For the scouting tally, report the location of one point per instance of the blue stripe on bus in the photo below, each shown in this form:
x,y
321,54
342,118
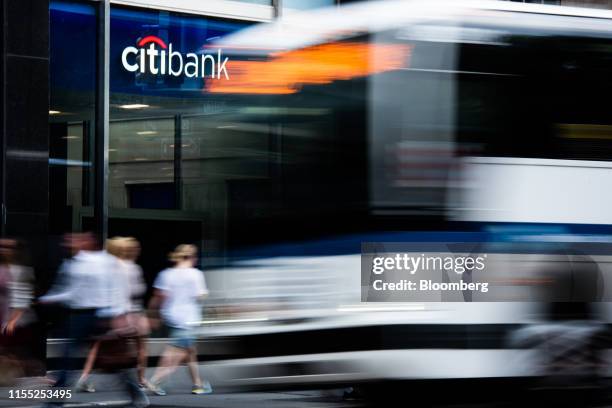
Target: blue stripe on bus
x,y
498,237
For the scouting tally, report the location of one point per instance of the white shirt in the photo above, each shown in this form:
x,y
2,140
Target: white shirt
x,y
22,292
135,286
21,286
90,280
183,288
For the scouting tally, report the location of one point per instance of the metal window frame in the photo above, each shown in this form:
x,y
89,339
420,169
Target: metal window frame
x,y
101,154
178,157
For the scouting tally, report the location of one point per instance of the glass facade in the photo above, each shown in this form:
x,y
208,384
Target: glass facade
x,y
171,142
176,151
269,164
174,148
237,170
72,108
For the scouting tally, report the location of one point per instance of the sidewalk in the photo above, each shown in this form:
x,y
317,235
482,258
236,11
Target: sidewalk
x,y
110,393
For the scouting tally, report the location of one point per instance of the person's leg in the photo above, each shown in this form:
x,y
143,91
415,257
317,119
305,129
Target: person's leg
x,y
79,329
89,363
80,326
139,399
194,370
61,378
141,359
170,359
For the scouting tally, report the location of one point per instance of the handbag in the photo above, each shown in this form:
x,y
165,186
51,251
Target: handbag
x,y
117,348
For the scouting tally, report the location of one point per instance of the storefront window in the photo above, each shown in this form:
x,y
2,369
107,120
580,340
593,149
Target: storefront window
x,y
141,160
172,144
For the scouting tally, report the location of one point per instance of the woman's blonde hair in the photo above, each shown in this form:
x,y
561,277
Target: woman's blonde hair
x,y
183,252
122,247
114,246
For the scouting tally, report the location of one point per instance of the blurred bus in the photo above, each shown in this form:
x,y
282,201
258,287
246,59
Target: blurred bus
x,y
410,121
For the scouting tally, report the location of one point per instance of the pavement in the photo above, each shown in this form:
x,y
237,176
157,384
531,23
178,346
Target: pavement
x,y
110,392
306,399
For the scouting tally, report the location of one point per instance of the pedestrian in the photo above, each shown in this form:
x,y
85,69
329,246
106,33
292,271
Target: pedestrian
x,y
90,286
178,294
131,292
18,331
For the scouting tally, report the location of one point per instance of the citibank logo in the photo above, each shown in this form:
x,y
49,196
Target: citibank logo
x,y
156,57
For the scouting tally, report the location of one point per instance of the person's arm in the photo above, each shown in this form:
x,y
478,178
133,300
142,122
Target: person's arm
x,y
153,308
156,300
138,287
16,314
60,292
58,297
22,291
201,288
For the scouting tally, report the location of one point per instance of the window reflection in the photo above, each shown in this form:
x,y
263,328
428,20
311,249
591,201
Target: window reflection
x,y
170,150
141,163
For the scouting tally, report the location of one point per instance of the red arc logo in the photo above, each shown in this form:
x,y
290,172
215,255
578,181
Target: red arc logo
x,y
152,39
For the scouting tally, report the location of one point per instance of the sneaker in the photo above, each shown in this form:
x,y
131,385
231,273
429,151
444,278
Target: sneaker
x,y
156,389
197,390
141,401
144,385
206,388
85,386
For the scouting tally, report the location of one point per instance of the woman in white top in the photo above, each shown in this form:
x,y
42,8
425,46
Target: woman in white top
x,y
130,288
179,292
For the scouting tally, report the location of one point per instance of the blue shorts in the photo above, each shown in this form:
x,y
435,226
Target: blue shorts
x,y
182,338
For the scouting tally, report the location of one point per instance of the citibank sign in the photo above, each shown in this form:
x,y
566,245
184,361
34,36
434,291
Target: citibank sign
x,y
158,58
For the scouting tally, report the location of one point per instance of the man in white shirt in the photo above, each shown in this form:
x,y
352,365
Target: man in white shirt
x,y
89,286
86,288
179,292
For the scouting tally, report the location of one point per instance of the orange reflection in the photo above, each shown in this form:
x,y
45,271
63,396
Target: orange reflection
x,y
287,72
